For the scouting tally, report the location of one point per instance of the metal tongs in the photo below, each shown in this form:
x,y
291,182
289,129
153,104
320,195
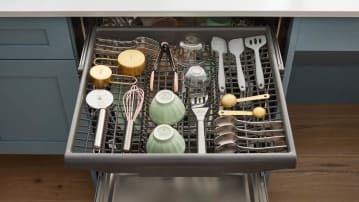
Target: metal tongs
x,y
165,49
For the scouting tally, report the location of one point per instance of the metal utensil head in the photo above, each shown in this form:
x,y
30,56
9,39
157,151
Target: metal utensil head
x,y
224,120
255,42
218,131
225,138
227,148
99,99
236,47
199,101
219,45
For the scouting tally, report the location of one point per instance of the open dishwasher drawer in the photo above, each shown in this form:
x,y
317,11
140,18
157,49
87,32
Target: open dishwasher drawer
x,y
262,147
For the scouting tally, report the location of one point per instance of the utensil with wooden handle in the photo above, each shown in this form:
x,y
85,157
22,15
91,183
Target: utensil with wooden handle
x,y
230,100
258,112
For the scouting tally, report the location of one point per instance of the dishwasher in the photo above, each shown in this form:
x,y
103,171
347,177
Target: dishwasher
x,y
238,172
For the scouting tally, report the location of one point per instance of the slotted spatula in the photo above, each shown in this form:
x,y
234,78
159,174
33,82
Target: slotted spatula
x,y
236,47
255,43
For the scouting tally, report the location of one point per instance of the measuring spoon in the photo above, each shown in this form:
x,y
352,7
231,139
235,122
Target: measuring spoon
x,y
230,100
258,112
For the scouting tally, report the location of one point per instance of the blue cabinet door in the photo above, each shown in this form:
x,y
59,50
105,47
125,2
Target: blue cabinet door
x,y
35,38
37,98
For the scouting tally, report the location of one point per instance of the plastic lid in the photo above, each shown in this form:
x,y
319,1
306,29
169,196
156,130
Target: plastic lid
x,y
163,132
165,96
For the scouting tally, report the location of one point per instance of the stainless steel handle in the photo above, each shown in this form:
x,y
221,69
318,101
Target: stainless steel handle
x,y
128,136
221,76
259,70
201,138
99,130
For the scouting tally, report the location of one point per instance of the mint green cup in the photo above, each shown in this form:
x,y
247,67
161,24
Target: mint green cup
x,y
165,139
166,108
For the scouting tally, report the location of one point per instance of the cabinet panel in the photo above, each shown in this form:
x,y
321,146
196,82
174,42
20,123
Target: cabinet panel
x,y
324,84
35,38
37,100
327,34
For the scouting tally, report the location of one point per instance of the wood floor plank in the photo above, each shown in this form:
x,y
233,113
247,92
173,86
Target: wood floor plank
x,y
326,138
313,187
325,129
42,178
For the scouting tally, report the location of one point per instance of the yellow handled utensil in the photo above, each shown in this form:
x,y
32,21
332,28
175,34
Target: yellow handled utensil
x,y
258,112
230,100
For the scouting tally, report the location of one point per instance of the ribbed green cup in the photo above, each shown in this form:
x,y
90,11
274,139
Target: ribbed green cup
x,y
166,108
165,139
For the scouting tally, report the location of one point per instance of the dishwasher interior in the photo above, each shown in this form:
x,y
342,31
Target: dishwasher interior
x,y
233,172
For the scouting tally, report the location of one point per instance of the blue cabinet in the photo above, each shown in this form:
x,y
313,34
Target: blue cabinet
x,y
322,61
38,86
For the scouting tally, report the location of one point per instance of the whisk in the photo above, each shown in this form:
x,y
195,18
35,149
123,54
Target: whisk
x,y
132,102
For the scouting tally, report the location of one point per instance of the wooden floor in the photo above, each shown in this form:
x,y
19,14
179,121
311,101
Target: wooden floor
x,y
326,138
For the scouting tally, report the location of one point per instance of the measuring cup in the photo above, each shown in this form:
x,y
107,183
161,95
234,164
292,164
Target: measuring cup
x,y
131,62
99,99
101,77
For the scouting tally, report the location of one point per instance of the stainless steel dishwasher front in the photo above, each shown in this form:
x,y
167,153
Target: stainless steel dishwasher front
x,y
212,174
229,188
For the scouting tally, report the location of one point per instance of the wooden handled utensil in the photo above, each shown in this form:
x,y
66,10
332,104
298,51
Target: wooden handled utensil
x,y
258,112
230,100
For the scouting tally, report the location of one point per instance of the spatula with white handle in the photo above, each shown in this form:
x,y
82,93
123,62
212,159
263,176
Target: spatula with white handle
x,y
236,47
255,43
220,46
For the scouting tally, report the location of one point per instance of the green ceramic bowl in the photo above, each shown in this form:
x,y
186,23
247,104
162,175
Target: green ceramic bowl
x,y
165,139
166,108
